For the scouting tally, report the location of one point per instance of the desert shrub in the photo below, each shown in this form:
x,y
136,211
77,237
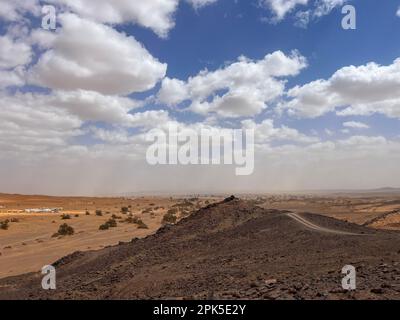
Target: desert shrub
x,y
172,211
109,224
4,224
65,217
64,230
14,220
147,210
104,226
124,210
142,225
77,216
112,223
99,213
87,213
185,213
114,216
137,221
131,219
169,217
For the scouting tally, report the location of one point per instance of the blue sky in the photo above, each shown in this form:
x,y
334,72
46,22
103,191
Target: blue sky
x,y
214,35
211,36
80,97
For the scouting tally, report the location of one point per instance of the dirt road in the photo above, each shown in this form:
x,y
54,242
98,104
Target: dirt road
x,y
315,227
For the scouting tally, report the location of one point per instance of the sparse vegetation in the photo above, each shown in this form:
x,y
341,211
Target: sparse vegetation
x,y
185,213
99,213
137,221
65,217
14,220
104,226
170,216
109,224
4,224
124,210
87,213
142,225
64,230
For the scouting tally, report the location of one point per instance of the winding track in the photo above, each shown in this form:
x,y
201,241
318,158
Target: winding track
x,y
314,227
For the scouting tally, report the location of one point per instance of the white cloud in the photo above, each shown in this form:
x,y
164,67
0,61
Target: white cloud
x,y
319,8
361,90
95,57
398,12
29,126
324,7
13,10
13,53
266,132
303,18
244,88
355,125
200,3
154,14
92,106
282,7
157,15
11,78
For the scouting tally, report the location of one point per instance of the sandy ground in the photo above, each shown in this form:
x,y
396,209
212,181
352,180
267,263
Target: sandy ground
x,y
359,209
28,244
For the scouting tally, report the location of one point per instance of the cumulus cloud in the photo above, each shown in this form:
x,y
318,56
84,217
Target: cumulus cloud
x,y
324,7
266,132
91,56
13,53
92,106
362,90
243,88
281,7
157,15
154,14
355,125
29,126
11,78
319,8
14,10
